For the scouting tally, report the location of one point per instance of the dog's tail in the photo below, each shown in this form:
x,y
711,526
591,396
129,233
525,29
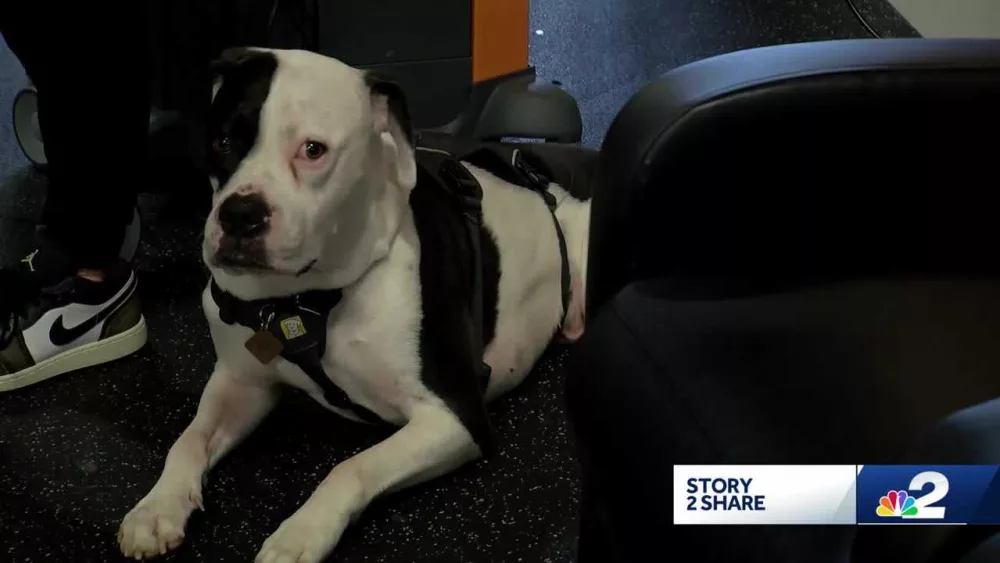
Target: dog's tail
x,y
574,218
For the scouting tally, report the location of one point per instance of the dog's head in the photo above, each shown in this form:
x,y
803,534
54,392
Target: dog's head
x,y
304,152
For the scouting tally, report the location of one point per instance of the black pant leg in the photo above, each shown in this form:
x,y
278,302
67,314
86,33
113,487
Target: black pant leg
x,y
92,76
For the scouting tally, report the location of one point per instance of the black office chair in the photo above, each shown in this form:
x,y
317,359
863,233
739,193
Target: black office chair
x,y
793,261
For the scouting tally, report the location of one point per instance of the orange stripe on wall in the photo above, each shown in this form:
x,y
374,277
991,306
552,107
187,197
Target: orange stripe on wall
x,y
499,38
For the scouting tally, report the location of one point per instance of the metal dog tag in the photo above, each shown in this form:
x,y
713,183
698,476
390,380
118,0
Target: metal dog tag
x,y
264,346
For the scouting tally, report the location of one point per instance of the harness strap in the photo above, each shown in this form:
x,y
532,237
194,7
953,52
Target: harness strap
x,y
519,171
308,312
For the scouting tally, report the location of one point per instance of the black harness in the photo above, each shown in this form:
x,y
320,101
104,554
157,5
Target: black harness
x,y
294,327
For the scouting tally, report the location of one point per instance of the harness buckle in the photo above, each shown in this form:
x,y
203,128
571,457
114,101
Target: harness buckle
x,y
266,315
537,179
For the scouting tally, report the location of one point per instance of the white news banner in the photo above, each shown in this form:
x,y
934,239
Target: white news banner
x,y
765,494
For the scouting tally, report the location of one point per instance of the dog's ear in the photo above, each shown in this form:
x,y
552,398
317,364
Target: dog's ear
x,y
389,105
391,115
227,61
230,59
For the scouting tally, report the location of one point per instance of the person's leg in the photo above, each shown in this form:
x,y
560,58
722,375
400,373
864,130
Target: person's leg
x,y
73,303
93,87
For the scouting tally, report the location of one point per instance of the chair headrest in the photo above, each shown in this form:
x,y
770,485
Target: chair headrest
x,y
835,159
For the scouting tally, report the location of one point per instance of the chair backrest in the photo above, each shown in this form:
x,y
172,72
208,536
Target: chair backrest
x,y
819,160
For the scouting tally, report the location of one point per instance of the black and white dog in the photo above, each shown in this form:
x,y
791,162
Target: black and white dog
x,y
318,214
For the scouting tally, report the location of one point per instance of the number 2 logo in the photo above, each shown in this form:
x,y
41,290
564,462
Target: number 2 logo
x,y
925,504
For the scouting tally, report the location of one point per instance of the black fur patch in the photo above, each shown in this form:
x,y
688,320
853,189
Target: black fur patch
x,y
234,119
447,350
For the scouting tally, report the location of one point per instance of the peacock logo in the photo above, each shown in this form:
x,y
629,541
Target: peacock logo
x,y
896,503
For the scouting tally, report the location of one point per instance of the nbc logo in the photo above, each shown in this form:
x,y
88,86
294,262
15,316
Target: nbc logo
x,y
897,503
900,504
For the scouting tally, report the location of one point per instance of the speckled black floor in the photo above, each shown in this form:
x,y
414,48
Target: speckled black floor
x,y
78,451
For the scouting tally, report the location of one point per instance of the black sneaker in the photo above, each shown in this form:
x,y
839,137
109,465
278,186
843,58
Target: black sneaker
x,y
49,330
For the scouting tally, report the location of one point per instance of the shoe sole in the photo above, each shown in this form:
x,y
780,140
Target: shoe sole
x,y
100,352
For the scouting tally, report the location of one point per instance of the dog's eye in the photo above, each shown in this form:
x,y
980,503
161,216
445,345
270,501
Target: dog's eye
x,y
314,150
221,145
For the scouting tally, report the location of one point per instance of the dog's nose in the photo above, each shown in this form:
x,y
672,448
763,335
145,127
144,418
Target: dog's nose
x,y
243,216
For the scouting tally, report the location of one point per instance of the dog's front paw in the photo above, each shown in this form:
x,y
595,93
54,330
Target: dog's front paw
x,y
156,525
306,537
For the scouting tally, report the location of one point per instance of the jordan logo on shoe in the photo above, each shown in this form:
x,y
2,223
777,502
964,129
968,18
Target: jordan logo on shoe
x,y
61,336
30,260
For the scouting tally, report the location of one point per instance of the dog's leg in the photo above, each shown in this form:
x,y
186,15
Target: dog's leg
x,y
230,407
431,444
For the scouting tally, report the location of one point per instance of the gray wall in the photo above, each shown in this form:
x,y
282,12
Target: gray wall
x,y
952,18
